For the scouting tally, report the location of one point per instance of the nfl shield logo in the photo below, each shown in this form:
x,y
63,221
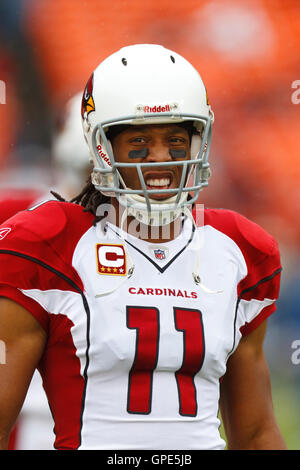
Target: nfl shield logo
x,y
160,254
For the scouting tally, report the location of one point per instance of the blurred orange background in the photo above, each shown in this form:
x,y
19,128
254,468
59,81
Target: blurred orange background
x,y
246,52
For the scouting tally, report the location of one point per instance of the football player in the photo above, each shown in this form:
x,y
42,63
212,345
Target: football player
x,y
143,312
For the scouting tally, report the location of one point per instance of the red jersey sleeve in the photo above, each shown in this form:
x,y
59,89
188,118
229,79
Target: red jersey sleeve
x,y
36,248
259,289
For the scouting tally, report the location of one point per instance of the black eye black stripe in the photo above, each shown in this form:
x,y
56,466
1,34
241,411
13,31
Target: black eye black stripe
x,y
143,153
138,153
177,153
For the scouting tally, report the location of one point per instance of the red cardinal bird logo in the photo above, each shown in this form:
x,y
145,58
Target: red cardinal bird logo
x,y
88,105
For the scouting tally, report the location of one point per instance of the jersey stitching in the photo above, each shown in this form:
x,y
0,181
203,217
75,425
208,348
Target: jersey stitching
x,y
265,279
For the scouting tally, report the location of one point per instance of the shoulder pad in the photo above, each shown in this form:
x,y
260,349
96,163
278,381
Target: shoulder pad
x,y
51,226
259,249
252,239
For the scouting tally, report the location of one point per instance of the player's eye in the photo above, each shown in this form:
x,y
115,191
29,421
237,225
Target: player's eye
x,y
138,140
177,140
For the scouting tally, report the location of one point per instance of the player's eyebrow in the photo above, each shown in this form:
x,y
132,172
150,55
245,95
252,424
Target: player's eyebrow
x,y
175,130
170,130
135,129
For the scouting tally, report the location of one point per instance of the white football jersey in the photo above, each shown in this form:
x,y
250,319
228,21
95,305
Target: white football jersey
x,y
135,362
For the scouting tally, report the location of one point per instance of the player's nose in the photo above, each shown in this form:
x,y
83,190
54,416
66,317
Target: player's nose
x,y
158,152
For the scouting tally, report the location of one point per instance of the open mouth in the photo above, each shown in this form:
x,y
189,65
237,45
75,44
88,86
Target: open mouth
x,y
159,181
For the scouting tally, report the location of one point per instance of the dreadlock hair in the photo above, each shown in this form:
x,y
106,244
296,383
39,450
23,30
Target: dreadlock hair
x,y
89,198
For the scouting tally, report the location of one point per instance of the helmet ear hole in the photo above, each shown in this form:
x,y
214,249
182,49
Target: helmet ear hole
x,y
195,145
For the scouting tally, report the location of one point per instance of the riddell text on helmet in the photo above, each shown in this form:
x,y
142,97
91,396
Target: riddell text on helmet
x,y
103,154
157,109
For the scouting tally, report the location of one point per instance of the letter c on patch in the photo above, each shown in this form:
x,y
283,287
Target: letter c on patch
x,y
112,256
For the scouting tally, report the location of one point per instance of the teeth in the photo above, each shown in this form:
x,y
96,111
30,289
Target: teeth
x,y
158,182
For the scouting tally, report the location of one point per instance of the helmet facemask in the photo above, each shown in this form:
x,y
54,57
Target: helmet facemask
x,y
107,177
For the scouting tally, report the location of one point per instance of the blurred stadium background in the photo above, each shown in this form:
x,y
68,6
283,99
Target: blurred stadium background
x,y
247,52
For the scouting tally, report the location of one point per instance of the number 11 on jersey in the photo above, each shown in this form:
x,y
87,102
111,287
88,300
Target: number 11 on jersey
x,y
145,320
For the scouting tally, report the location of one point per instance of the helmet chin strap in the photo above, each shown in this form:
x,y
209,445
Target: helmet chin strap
x,y
161,215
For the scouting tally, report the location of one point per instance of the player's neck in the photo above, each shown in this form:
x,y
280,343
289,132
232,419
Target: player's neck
x,y
152,234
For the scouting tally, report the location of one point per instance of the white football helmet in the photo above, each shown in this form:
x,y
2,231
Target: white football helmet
x,y
147,84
